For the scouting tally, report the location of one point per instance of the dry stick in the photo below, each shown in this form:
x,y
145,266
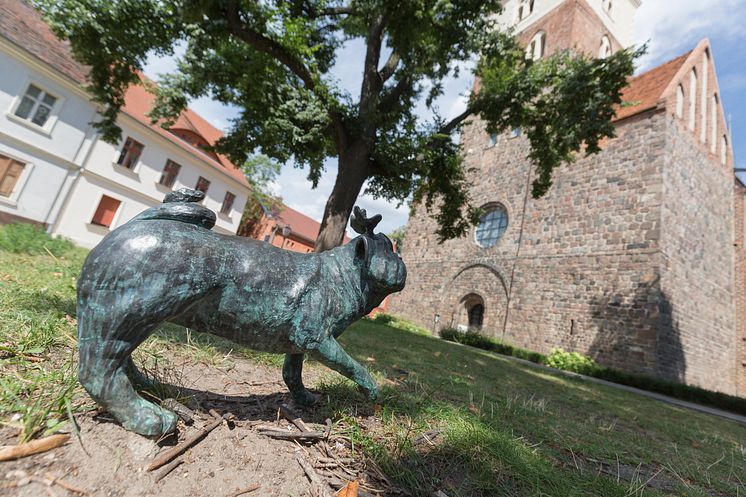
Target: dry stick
x,y
294,418
291,435
165,471
34,447
316,480
328,430
170,454
53,480
246,490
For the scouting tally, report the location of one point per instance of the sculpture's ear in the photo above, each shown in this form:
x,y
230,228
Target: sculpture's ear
x,y
361,249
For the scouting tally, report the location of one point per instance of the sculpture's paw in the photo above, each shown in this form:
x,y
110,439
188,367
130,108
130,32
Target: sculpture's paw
x,y
304,397
151,421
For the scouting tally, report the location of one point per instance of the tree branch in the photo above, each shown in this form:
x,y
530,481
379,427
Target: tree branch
x,y
338,11
455,122
371,85
388,69
270,47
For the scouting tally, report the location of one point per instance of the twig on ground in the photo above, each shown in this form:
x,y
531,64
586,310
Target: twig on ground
x,y
166,470
292,435
316,481
34,447
328,430
246,490
53,480
293,417
170,454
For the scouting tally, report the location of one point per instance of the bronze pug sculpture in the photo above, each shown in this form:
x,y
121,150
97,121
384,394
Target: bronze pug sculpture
x,y
166,265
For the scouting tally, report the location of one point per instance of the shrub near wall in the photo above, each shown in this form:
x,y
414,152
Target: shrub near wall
x,y
578,363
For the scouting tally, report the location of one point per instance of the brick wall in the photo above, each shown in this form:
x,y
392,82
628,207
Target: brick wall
x,y
739,231
697,274
585,273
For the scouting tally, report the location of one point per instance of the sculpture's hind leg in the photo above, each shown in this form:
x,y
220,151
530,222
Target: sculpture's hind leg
x,y
105,344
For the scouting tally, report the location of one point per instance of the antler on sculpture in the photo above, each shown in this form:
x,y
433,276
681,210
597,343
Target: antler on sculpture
x,y
362,224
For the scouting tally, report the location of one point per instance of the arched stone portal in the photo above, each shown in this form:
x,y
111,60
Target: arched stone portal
x,y
475,299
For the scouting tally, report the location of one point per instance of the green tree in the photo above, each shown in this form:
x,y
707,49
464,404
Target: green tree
x,y
397,236
273,60
260,171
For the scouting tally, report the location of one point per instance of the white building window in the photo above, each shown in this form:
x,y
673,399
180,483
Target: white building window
x,y
130,154
692,99
492,141
525,9
36,105
515,132
680,101
714,123
608,6
605,49
227,203
535,49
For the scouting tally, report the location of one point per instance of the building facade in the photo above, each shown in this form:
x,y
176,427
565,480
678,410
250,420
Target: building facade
x,y
55,170
630,257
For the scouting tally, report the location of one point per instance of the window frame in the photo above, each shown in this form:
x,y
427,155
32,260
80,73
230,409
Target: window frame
x,y
488,209
207,188
12,199
605,50
114,218
227,212
541,37
163,174
52,118
122,155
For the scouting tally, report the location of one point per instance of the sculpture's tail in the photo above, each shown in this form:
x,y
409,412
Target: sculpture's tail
x,y
181,205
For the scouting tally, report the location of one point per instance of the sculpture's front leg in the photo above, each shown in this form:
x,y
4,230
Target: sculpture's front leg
x,y
292,373
330,353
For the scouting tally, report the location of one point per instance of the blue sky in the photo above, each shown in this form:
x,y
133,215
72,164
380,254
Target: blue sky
x,y
671,28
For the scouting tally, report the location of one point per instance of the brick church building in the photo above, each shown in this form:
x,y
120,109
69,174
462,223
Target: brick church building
x,y
635,255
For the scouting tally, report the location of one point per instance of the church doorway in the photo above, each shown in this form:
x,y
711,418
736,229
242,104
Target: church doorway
x,y
472,311
476,316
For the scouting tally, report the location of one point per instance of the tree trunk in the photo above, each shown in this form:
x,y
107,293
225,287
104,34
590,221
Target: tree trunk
x,y
352,173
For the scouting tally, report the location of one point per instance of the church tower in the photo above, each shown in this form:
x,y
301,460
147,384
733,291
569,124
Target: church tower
x,y
595,27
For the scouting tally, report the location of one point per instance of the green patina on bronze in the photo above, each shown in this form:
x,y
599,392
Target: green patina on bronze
x,y
166,265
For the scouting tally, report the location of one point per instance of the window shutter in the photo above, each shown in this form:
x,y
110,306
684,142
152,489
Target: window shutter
x,y
10,171
105,212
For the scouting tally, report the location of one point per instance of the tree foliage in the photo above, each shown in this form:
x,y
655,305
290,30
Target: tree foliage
x,y
273,60
261,171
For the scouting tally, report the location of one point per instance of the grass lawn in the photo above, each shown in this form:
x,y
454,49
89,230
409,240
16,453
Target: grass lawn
x,y
498,427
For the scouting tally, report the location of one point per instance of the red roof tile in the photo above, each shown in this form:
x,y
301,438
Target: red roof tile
x,y
302,225
644,91
23,26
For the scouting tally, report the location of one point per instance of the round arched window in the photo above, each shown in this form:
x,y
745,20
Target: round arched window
x,y
491,226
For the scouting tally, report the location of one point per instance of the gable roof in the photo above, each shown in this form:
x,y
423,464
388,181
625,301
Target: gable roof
x,y
138,102
645,91
24,27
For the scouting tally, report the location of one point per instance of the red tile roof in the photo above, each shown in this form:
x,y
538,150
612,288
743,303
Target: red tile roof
x,y
301,225
644,91
23,26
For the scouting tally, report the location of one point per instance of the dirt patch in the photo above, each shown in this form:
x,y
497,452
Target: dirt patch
x,y
111,461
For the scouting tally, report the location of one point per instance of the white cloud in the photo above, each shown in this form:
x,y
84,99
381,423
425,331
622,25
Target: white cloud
x,y
673,27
